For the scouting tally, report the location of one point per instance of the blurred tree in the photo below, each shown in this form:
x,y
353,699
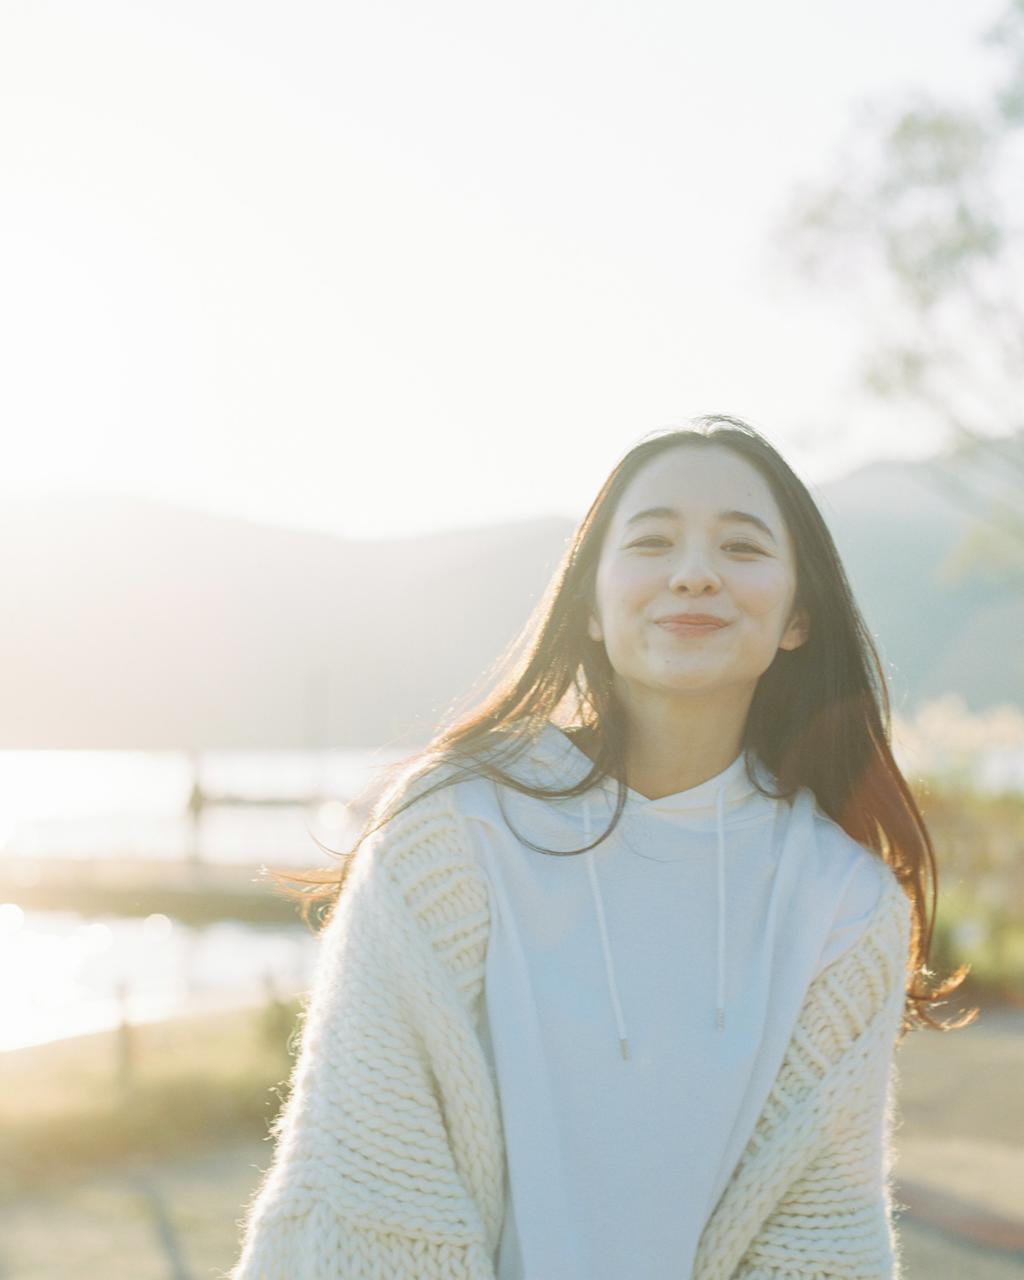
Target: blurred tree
x,y
921,222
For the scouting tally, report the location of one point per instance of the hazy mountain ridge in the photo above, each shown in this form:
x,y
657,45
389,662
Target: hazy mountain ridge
x,y
133,623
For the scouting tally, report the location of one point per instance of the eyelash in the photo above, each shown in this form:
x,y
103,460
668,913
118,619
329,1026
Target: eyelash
x,y
653,538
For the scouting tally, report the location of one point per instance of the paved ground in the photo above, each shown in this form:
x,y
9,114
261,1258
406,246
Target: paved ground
x,y
960,1174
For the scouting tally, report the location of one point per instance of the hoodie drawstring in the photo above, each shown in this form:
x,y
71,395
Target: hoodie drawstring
x,y
609,966
599,906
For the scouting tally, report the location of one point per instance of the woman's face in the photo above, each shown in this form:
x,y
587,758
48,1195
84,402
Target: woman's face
x,y
696,556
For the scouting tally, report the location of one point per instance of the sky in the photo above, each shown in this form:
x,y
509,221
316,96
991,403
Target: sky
x,y
386,268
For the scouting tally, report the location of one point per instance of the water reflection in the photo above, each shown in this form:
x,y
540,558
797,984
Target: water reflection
x,y
64,973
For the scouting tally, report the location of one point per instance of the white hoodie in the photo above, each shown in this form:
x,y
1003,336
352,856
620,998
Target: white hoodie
x,y
639,999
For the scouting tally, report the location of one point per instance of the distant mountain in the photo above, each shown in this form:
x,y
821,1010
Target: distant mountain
x,y
132,623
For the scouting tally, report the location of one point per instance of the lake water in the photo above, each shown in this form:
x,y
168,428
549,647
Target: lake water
x,y
66,974
135,804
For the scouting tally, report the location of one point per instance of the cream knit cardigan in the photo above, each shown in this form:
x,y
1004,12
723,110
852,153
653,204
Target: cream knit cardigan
x,y
389,1151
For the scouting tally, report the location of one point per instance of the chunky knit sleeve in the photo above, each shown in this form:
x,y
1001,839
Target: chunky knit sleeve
x,y
388,1150
817,1174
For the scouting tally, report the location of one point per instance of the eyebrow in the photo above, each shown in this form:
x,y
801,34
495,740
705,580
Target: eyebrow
x,y
736,517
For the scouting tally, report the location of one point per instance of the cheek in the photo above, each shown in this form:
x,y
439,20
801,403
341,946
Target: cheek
x,y
626,586
765,592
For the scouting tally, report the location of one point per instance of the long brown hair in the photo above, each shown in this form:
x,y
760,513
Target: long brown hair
x,y
819,718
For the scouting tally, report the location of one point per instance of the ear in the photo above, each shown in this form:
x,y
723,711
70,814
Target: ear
x,y
797,632
594,628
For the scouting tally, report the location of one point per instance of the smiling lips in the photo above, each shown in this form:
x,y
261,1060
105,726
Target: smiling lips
x,y
691,622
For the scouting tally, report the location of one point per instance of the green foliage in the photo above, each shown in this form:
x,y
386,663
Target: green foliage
x,y
979,849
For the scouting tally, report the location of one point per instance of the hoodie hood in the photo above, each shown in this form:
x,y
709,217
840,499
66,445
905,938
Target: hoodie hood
x,y
730,797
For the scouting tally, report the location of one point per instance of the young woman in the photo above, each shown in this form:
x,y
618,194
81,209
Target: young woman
x,y
613,984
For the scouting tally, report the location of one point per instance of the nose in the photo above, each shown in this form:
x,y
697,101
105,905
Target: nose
x,y
693,573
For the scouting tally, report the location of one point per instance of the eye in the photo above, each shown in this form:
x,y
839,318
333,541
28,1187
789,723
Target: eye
x,y
746,546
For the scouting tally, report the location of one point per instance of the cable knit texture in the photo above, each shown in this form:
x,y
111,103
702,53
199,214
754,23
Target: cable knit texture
x,y
389,1152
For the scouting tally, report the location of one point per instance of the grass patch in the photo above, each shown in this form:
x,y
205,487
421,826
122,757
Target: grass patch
x,y
70,1108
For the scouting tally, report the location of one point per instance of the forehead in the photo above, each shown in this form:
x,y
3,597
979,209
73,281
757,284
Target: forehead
x,y
700,481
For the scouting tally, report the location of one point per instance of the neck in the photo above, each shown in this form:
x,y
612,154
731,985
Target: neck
x,y
654,776
667,753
